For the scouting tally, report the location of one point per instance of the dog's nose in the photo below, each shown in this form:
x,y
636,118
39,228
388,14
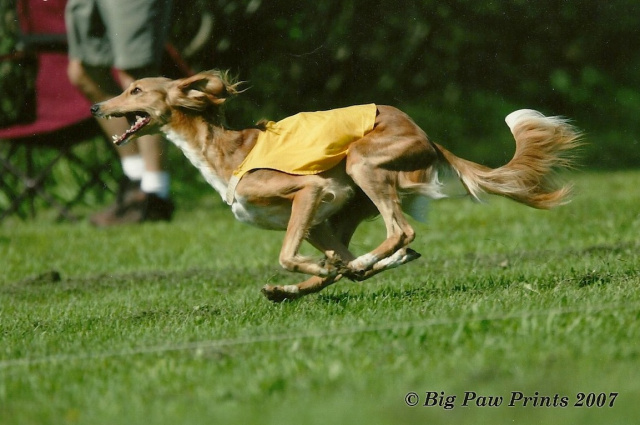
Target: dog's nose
x,y
95,108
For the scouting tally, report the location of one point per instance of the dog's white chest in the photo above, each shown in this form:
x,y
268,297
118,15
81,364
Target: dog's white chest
x,y
198,159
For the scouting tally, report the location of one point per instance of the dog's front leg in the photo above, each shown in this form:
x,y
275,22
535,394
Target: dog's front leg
x,y
304,206
314,284
323,238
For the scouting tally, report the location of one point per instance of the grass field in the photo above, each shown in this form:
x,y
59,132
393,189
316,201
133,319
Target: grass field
x,y
165,324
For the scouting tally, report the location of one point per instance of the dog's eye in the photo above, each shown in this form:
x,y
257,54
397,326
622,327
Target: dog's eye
x,y
136,90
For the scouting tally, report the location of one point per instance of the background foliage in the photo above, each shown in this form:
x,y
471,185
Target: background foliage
x,y
457,67
16,76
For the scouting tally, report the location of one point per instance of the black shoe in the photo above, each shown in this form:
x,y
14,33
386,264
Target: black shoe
x,y
134,206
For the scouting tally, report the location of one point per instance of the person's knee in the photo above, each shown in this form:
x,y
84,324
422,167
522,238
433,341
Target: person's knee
x,y
77,74
82,78
96,83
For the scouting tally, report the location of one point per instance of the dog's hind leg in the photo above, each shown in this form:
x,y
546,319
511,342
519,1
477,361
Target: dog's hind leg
x,y
396,145
333,239
375,164
380,186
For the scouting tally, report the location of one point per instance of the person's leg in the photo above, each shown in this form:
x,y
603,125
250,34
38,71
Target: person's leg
x,y
90,62
98,31
138,31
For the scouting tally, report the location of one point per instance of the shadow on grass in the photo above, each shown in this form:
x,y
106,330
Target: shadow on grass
x,y
227,280
222,280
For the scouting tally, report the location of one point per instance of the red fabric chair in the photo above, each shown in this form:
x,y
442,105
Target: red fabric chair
x,y
32,151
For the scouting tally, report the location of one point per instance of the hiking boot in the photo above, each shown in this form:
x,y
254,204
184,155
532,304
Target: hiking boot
x,y
134,206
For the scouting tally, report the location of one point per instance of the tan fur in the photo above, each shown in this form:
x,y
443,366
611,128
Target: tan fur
x,y
542,145
390,167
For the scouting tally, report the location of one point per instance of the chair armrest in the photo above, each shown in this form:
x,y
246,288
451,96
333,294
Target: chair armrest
x,y
42,43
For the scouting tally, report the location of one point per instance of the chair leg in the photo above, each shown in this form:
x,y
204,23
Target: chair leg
x,y
23,184
11,194
17,198
30,182
34,186
95,177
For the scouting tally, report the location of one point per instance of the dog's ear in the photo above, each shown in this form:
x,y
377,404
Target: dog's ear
x,y
200,91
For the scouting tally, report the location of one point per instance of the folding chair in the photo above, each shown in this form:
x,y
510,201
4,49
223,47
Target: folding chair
x,y
31,152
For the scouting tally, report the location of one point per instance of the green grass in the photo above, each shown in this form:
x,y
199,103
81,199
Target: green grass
x,y
165,324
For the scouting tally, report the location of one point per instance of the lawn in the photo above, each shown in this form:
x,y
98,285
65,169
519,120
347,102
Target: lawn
x,y
165,323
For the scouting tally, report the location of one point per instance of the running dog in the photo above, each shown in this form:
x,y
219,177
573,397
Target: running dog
x,y
319,175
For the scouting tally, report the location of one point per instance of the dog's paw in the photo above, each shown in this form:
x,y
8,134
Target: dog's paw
x,y
281,293
362,263
333,258
333,265
355,275
358,269
400,257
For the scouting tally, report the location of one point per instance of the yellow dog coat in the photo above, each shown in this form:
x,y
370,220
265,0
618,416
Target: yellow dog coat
x,y
306,143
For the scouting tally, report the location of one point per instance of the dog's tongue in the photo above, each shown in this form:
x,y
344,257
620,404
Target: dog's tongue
x,y
140,122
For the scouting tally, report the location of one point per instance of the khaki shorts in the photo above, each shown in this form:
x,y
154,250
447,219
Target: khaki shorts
x,y
125,34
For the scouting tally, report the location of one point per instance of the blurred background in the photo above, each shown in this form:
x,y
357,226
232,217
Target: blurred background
x,y
457,66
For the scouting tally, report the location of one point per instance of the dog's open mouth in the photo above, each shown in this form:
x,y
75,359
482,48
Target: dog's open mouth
x,y
136,121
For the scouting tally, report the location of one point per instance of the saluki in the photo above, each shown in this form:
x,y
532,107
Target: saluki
x,y
378,161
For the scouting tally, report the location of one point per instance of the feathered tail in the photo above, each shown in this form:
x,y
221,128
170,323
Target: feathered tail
x,y
542,146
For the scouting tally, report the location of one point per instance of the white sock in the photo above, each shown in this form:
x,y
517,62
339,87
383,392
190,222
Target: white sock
x,y
133,167
156,182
